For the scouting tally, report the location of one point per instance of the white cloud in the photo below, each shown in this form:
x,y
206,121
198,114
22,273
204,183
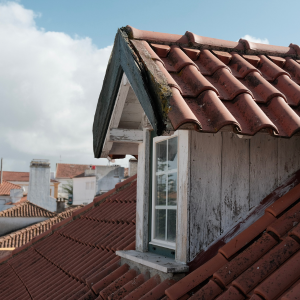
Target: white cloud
x,y
255,40
50,84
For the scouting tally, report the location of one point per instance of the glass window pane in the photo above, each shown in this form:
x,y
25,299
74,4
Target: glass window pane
x,y
171,235
161,189
172,189
172,153
161,156
160,224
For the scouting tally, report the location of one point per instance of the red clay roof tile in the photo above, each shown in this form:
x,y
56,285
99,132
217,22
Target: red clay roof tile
x,y
68,171
226,274
286,222
241,72
159,291
125,291
197,277
26,209
281,279
5,188
247,235
232,293
15,176
266,265
144,288
260,264
209,292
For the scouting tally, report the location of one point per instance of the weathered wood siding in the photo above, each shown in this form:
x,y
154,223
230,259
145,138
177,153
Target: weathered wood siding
x,y
230,176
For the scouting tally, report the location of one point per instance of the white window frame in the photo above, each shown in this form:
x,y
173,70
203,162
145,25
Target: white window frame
x,y
156,242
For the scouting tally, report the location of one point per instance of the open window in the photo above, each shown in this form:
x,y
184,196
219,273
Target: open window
x,y
164,192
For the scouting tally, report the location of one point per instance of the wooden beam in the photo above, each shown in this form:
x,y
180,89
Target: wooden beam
x,y
126,135
116,115
124,148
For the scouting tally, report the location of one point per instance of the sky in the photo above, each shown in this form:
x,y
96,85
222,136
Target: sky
x,y
54,56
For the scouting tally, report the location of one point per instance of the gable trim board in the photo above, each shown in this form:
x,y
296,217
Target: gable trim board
x,y
124,59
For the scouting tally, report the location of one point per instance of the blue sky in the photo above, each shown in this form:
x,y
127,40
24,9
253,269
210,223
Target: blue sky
x,y
54,56
278,21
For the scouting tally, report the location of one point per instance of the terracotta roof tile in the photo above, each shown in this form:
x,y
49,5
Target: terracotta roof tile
x,y
77,254
26,209
256,259
15,176
33,233
262,260
216,83
68,171
5,188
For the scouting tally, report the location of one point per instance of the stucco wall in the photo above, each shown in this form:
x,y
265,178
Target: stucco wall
x,y
108,177
8,224
84,189
230,176
39,187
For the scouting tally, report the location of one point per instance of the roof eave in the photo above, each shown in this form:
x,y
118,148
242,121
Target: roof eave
x,y
150,88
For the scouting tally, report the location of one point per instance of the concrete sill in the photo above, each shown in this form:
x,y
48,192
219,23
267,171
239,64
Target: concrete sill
x,y
154,261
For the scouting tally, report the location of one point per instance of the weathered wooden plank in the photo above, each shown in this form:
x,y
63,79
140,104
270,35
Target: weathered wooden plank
x,y
183,196
142,199
205,192
288,157
126,135
235,179
116,114
124,148
263,167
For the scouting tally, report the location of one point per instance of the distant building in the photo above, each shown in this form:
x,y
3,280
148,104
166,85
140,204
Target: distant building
x,y
84,188
22,179
64,175
88,180
10,193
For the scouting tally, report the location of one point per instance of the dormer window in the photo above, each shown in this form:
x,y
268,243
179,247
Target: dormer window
x,y
164,192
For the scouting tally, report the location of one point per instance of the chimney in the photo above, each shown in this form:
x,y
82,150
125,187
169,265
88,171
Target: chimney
x,y
132,167
60,205
39,184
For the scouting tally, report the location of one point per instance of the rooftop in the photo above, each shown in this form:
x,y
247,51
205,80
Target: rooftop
x,y
77,253
26,209
15,176
206,84
18,176
5,188
214,83
68,171
25,235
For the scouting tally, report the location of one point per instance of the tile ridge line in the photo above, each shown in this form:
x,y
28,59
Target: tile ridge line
x,y
67,273
21,280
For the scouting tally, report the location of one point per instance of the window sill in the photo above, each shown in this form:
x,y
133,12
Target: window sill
x,y
154,261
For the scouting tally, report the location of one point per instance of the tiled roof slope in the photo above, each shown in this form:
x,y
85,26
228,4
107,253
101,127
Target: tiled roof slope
x,y
21,237
76,258
15,176
262,262
5,188
68,171
215,83
26,209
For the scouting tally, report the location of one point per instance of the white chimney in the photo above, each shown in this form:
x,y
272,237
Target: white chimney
x,y
16,195
132,167
39,184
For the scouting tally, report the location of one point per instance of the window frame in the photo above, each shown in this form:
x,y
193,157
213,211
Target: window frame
x,y
153,241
